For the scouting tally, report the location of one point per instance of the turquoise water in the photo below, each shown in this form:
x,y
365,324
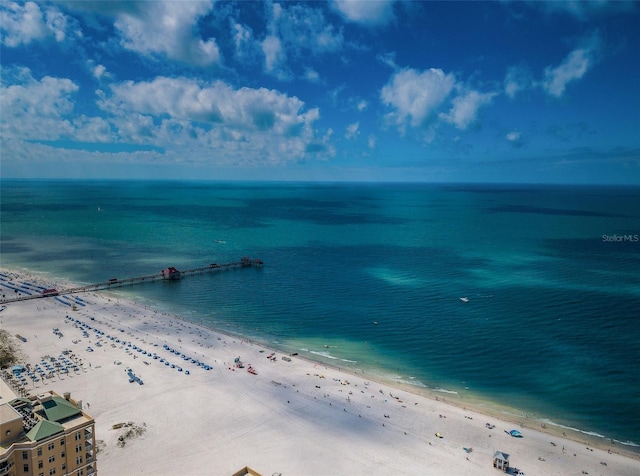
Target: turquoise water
x,y
370,277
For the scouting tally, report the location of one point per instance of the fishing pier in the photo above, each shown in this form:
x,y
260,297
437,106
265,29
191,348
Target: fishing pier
x,y
26,291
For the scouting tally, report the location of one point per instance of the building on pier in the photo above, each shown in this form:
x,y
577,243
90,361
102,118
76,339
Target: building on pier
x,y
246,262
171,273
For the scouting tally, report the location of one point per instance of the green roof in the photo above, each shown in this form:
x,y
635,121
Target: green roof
x,y
44,429
19,400
58,409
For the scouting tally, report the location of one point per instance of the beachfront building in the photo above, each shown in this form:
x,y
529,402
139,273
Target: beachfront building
x,y
501,461
46,435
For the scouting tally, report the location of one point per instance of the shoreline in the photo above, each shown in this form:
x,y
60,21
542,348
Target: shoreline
x,y
147,324
543,425
449,397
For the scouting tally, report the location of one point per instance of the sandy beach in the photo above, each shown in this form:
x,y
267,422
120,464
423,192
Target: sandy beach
x,y
211,403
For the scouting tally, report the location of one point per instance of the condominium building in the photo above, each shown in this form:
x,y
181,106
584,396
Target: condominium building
x,y
46,435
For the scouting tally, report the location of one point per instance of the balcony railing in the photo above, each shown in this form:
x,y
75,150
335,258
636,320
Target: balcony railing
x,y
5,469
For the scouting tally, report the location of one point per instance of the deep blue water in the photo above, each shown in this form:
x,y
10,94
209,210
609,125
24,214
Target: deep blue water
x,y
369,276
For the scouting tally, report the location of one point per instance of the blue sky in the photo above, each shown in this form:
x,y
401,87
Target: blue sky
x,y
509,91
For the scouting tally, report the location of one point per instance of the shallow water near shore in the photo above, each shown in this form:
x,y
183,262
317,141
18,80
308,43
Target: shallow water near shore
x,y
369,278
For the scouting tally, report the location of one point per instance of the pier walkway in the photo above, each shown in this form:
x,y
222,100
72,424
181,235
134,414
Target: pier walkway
x,y
167,274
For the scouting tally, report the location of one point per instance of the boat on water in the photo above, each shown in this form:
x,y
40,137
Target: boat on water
x,y
464,299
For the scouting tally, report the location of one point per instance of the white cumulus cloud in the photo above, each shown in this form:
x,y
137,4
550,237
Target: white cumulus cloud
x,y
312,75
167,28
24,23
215,103
274,55
514,136
297,31
367,12
36,109
572,68
517,79
352,130
247,49
189,120
465,108
515,139
416,95
243,125
99,71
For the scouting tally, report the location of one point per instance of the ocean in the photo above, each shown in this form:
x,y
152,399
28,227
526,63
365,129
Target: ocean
x,y
369,277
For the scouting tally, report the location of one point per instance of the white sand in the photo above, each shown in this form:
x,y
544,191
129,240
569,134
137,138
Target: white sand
x,y
293,418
